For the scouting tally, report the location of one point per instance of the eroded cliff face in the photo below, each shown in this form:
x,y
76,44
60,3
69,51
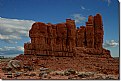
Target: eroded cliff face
x,y
64,39
62,46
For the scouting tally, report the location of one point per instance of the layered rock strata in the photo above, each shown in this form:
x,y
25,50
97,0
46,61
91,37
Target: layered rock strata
x,y
64,38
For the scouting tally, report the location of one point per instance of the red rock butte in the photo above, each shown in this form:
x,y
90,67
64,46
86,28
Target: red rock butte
x,y
65,40
62,46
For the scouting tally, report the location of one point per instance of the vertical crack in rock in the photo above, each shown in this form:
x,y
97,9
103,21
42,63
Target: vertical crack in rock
x,y
63,39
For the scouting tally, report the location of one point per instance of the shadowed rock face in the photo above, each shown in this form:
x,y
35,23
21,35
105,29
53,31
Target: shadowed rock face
x,y
64,39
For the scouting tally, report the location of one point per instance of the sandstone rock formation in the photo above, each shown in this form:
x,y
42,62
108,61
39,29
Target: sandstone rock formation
x,y
64,38
62,46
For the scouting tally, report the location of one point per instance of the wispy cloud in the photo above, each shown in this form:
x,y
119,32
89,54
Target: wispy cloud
x,y
7,50
78,18
111,43
108,1
82,7
14,29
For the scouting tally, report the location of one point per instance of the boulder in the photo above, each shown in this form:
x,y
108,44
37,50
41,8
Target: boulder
x,y
44,69
17,74
67,73
14,64
32,74
9,76
82,75
59,73
72,71
99,78
29,68
85,74
109,78
42,73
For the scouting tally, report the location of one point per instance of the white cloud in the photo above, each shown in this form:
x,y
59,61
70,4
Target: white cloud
x,y
111,43
2,37
108,1
20,48
14,29
78,18
119,1
82,7
8,48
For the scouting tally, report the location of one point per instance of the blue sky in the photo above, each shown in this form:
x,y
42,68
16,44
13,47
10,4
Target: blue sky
x,y
17,16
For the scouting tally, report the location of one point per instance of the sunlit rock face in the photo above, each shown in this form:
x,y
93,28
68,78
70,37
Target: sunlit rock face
x,y
63,39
